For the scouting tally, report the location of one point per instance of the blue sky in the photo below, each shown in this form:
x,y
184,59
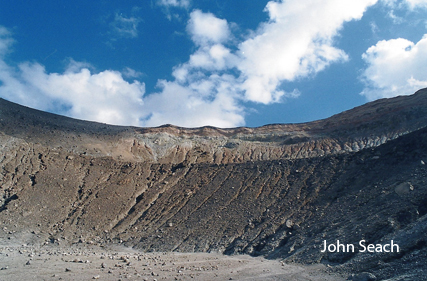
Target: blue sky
x,y
223,63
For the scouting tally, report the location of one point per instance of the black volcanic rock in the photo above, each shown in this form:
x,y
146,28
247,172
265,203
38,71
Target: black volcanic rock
x,y
278,191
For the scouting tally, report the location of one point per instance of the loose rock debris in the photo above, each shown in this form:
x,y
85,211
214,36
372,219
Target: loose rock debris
x,y
84,263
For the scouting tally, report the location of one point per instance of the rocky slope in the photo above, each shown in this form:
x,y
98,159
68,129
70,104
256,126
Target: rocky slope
x,y
277,190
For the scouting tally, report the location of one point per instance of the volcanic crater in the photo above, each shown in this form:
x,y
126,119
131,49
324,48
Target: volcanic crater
x,y
275,192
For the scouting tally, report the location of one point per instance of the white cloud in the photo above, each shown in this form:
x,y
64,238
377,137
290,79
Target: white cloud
x,y
196,100
103,97
174,3
374,27
6,40
167,6
296,42
416,4
208,101
131,73
126,27
205,28
395,67
412,4
216,57
202,92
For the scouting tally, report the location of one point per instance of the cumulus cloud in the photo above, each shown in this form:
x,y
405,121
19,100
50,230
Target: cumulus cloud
x,y
205,28
211,57
395,67
104,96
296,42
198,99
202,92
210,34
210,100
211,87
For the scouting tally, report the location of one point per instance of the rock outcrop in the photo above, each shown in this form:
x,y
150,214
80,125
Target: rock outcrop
x,y
277,190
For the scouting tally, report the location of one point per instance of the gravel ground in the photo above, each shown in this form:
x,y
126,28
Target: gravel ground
x,y
22,262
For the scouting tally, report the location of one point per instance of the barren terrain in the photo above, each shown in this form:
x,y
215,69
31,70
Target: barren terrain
x,y
25,262
275,192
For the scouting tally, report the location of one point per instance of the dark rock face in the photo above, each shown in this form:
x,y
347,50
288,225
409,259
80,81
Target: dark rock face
x,y
279,191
